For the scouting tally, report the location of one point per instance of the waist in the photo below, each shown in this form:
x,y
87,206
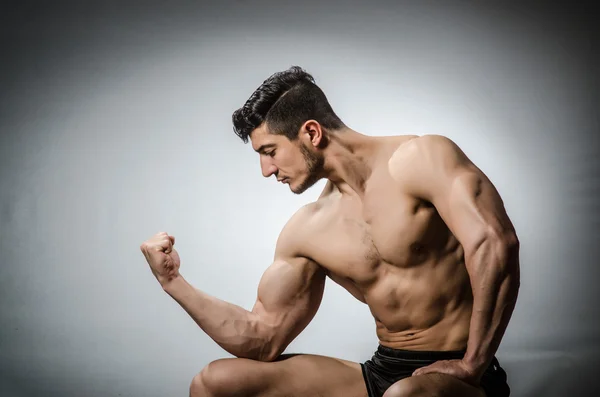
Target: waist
x,y
429,355
388,353
448,333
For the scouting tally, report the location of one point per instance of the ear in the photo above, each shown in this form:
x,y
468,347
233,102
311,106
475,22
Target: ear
x,y
312,132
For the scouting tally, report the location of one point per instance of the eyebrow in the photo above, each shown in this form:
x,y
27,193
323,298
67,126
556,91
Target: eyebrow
x,y
262,148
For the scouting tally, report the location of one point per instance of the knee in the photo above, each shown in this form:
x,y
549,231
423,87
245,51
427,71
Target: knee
x,y
405,388
197,388
213,380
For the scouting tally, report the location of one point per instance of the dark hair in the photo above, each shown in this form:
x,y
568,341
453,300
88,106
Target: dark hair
x,y
285,101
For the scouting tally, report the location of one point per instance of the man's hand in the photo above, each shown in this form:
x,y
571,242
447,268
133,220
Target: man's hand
x,y
456,368
162,257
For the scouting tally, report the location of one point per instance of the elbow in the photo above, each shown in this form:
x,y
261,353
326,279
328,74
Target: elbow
x,y
271,348
505,243
264,353
494,265
506,247
510,247
260,344
269,356
511,241
498,252
506,240
268,353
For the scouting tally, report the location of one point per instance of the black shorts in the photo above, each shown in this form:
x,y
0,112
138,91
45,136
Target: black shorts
x,y
388,366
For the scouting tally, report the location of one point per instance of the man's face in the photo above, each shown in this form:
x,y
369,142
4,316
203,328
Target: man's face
x,y
292,162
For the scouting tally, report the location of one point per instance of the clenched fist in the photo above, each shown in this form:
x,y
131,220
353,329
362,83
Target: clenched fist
x,y
162,257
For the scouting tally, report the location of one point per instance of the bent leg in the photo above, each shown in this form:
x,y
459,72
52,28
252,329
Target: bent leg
x,y
433,384
291,375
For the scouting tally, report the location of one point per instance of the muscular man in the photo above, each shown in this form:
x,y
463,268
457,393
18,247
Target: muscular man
x,y
407,224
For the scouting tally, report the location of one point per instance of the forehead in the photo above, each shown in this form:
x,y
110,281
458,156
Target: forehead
x,y
260,136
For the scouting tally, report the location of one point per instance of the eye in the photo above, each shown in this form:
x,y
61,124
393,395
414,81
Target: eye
x,y
271,154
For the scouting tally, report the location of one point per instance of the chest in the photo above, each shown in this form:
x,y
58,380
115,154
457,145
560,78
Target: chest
x,y
385,227
402,228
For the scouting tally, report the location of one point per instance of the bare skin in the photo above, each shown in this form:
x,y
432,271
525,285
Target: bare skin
x,y
407,225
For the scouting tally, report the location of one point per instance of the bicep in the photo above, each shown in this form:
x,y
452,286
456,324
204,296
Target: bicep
x,y
289,295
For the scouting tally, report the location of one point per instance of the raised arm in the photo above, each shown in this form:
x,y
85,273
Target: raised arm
x,y
289,294
434,169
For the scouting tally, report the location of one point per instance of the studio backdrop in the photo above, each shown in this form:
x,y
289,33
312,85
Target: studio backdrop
x,y
115,122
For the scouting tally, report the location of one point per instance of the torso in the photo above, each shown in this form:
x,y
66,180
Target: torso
x,y
394,253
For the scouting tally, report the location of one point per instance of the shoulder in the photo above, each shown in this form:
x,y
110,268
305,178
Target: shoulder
x,y
296,231
427,144
424,153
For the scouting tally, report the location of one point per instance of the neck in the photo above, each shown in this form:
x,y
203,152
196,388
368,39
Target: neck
x,y
348,160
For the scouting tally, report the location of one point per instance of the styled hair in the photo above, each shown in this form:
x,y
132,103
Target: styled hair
x,y
285,101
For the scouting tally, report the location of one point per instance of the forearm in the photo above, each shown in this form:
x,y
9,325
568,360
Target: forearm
x,y
494,273
235,329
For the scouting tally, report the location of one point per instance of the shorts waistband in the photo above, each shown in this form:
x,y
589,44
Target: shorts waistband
x,y
420,354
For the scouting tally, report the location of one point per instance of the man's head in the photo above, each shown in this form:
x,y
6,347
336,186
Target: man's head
x,y
287,118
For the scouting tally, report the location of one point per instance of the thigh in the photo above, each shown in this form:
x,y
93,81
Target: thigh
x,y
290,375
316,375
435,384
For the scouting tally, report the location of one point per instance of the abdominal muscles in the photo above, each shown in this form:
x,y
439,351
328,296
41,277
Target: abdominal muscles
x,y
426,307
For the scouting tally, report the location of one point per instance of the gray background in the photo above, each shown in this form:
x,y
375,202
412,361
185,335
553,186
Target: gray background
x,y
115,125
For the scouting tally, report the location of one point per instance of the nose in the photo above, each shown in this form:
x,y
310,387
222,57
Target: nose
x,y
267,167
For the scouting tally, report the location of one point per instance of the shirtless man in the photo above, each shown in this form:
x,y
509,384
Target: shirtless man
x,y
406,224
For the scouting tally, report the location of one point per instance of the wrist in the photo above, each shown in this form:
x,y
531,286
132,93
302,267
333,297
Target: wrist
x,y
170,283
474,364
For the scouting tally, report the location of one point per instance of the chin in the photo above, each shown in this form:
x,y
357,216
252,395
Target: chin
x,y
292,188
298,189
